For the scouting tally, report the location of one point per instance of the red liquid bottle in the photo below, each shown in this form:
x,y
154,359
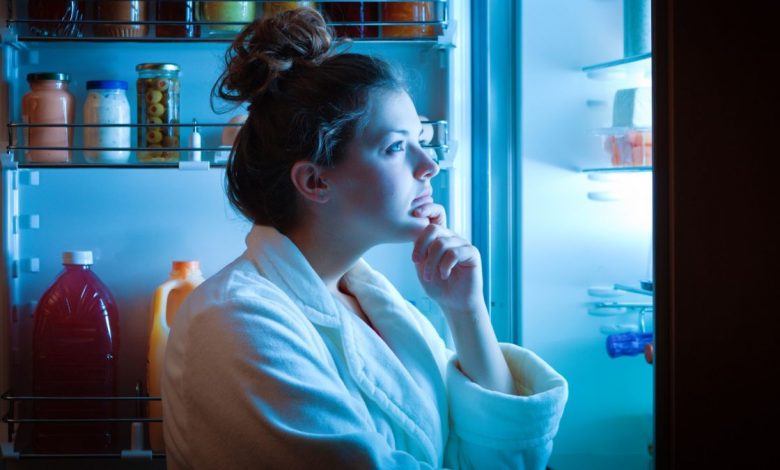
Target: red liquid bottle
x,y
75,354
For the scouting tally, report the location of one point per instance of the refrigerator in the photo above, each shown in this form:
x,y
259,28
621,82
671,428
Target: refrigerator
x,y
520,96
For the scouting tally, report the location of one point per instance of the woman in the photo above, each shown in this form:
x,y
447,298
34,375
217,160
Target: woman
x,y
298,354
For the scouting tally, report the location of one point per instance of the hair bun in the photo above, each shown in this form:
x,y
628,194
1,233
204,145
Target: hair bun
x,y
269,47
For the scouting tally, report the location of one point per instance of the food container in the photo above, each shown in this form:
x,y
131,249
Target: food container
x,y
107,103
630,148
158,105
120,10
48,102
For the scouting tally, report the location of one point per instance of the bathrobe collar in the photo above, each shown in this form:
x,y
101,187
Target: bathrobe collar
x,y
400,373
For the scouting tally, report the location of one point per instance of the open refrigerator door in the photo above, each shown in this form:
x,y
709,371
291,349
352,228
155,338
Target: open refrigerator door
x,y
150,199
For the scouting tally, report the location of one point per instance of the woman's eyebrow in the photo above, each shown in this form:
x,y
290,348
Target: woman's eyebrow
x,y
401,131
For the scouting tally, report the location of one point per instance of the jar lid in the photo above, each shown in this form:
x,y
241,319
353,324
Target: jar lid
x,y
34,77
77,257
106,85
166,67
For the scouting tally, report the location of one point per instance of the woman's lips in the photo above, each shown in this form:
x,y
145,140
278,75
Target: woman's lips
x,y
424,198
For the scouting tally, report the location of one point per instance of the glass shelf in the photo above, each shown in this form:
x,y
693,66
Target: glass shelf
x,y
618,169
212,156
639,65
83,27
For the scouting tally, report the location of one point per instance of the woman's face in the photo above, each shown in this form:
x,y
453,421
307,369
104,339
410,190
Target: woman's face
x,y
384,176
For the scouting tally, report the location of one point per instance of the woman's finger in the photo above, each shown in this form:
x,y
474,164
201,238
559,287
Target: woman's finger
x,y
448,262
424,241
436,251
434,212
464,255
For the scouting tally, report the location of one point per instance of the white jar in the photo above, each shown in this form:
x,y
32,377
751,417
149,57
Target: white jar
x,y
107,103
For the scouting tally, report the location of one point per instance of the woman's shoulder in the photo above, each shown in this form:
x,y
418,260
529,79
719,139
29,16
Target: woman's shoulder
x,y
238,301
240,282
239,290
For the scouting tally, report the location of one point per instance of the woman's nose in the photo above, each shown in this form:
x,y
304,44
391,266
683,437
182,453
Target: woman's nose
x,y
427,167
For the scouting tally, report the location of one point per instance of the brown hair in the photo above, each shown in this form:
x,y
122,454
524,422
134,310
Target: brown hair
x,y
306,102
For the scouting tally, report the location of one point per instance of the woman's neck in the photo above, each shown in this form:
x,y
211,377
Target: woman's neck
x,y
328,253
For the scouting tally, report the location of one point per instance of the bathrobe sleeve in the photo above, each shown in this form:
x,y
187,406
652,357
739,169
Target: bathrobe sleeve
x,y
493,430
261,391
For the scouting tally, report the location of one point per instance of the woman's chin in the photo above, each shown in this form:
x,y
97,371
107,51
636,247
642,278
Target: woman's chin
x,y
415,228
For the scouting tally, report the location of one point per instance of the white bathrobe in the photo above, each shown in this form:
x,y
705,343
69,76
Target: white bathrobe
x,y
264,368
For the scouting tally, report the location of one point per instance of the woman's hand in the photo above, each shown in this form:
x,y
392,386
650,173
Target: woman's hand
x,y
450,270
448,266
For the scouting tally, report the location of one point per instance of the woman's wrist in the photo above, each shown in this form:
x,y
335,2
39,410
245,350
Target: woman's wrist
x,y
466,313
476,347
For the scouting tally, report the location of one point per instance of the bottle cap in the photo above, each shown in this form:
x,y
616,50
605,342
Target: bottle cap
x,y
106,85
77,257
183,266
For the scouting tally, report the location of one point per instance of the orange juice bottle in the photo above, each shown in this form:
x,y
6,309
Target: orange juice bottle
x,y
184,278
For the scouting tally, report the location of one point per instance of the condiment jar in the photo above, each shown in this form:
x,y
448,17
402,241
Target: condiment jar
x,y
353,12
158,103
177,10
121,10
272,8
409,12
107,103
226,12
48,102
68,16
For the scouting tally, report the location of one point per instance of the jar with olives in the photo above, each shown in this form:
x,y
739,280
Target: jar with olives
x,y
158,105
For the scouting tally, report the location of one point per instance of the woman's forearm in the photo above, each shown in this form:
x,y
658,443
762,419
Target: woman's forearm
x,y
477,349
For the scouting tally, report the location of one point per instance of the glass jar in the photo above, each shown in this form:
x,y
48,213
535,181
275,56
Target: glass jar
x,y
409,11
120,10
48,102
158,103
353,12
177,10
226,11
107,103
68,12
272,8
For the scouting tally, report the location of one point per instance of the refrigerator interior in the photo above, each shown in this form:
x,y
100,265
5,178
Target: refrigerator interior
x,y
583,229
138,219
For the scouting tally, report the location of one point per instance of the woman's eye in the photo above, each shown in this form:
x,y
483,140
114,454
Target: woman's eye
x,y
396,147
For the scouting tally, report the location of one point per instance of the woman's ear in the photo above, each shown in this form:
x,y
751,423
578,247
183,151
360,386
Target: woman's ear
x,y
307,178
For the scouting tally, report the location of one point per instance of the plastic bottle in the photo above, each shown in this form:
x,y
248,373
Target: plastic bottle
x,y
75,354
195,142
184,278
